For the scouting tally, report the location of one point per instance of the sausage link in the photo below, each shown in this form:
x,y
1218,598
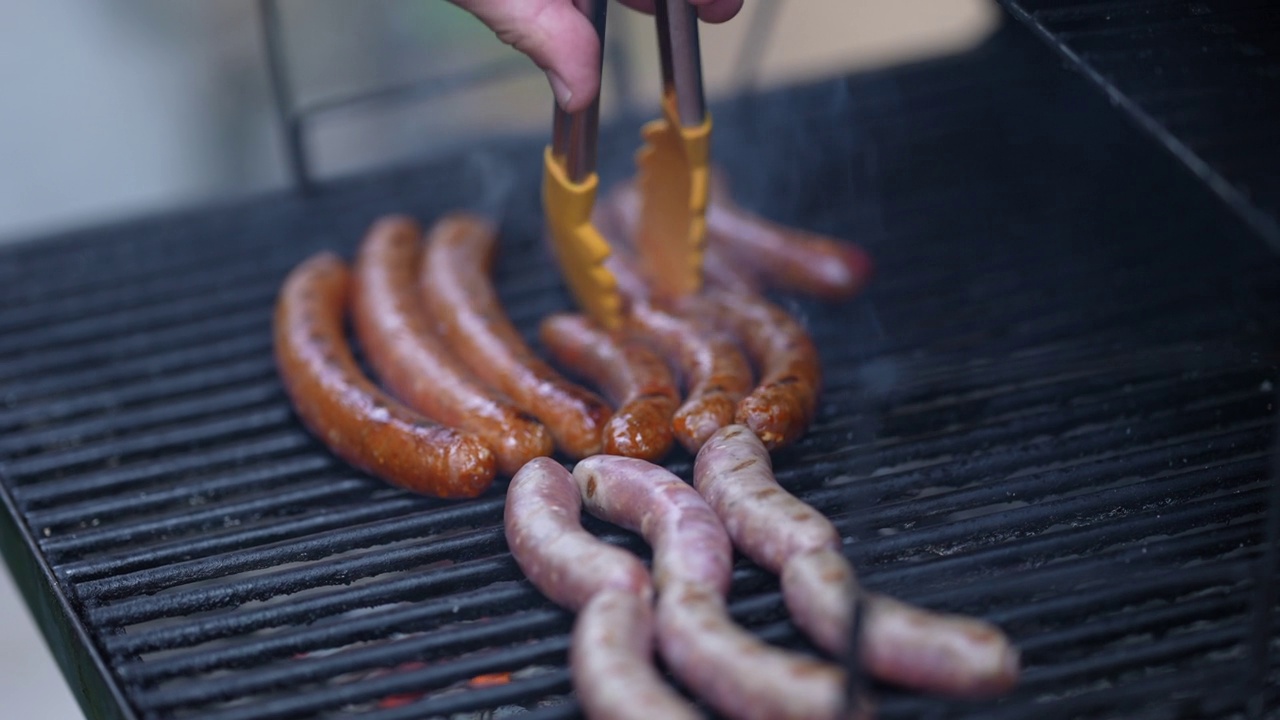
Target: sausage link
x,y
767,524
689,543
785,400
611,660
735,672
929,651
715,373
744,249
404,351
459,296
901,644
544,532
618,218
359,422
784,258
631,375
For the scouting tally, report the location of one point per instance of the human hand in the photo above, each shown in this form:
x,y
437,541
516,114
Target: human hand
x,y
560,39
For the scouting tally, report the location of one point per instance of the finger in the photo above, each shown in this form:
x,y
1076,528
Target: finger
x,y
712,11
717,11
555,35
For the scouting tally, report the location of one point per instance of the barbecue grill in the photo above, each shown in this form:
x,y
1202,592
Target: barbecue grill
x,y
1054,409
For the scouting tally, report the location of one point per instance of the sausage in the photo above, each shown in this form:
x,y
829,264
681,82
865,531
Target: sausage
x,y
901,644
785,400
930,651
403,350
744,249
360,423
611,660
459,295
767,524
544,531
631,375
735,672
785,258
689,543
906,645
715,373
618,218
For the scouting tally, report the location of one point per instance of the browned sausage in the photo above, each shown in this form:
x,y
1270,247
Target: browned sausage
x,y
744,249
544,532
359,422
402,348
689,543
459,296
785,258
611,659
735,672
631,375
715,373
785,400
901,644
617,217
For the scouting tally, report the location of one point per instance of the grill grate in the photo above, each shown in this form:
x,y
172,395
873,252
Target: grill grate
x,y
1075,444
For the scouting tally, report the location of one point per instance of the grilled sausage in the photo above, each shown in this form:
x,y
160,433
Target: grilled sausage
x,y
784,258
736,673
744,249
689,543
716,375
630,374
901,644
458,294
561,559
617,217
785,400
359,422
611,660
403,350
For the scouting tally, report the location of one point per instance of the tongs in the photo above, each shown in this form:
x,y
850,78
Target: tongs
x,y
673,177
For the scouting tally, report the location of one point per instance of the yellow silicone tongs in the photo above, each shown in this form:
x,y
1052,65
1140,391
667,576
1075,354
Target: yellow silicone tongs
x,y
673,177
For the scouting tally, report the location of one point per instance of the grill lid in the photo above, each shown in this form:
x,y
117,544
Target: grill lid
x,y
1075,443
1202,77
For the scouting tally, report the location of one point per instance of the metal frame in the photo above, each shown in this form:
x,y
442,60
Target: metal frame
x,y
78,656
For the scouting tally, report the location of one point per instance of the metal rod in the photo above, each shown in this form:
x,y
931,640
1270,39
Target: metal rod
x,y
1265,595
574,135
681,58
291,124
751,52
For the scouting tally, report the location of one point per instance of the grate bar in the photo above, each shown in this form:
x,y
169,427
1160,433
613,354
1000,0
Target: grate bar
x,y
50,492
432,523
522,627
87,430
215,376
196,432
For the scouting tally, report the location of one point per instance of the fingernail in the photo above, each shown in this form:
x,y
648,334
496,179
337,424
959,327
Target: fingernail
x,y
560,88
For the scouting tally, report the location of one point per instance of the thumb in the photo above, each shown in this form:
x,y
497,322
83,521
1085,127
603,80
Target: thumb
x,y
555,35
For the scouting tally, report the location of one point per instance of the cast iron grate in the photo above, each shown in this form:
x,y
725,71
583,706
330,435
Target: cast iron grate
x,y
1076,352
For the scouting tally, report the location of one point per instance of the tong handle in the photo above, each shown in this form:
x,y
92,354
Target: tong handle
x,y
574,135
681,57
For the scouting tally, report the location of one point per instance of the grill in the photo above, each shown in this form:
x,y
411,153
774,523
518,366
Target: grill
x,y
1054,409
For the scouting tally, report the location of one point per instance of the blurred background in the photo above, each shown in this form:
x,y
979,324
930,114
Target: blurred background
x,y
115,109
